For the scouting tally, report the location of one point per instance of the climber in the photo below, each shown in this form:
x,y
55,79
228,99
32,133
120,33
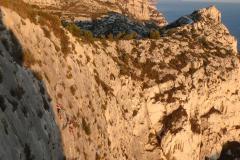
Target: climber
x,y
59,110
0,2
70,125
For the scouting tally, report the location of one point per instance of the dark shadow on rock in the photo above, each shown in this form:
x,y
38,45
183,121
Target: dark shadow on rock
x,y
230,151
27,121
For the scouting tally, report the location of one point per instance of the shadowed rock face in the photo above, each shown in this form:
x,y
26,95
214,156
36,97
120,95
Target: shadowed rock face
x,y
230,151
27,126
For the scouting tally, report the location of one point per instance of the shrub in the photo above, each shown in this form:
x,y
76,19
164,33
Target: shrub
x,y
86,127
154,34
135,35
124,70
53,20
119,35
170,32
70,105
125,58
193,30
64,40
205,42
153,45
74,29
38,75
46,32
23,9
75,124
107,89
59,95
73,89
110,36
163,31
28,59
184,32
88,36
104,106
128,36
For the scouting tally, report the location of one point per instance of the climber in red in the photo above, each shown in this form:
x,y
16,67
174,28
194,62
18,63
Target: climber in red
x,y
70,125
59,110
0,2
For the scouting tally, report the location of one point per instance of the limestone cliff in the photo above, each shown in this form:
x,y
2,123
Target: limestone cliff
x,y
81,10
172,98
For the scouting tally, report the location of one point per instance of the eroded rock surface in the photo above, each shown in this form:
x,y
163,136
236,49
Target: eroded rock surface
x,y
172,98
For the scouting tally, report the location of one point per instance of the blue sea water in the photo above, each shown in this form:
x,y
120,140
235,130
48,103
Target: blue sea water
x,y
172,10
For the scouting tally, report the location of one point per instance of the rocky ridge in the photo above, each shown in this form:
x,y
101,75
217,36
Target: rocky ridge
x,y
75,10
114,24
172,98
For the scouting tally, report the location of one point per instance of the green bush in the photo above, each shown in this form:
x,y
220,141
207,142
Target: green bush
x,y
88,36
86,127
205,42
23,9
73,89
53,20
128,36
110,36
119,35
193,30
38,75
170,32
28,59
163,31
74,29
46,32
154,34
184,32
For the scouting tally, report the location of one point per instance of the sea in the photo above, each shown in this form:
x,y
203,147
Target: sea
x,y
172,10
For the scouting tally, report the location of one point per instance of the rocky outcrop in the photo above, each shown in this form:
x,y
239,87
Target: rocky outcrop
x,y
75,10
113,24
172,98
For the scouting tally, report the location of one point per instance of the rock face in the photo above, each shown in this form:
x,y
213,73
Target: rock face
x,y
172,98
113,24
75,10
27,122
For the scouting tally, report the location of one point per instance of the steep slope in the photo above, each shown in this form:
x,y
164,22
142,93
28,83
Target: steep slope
x,y
27,123
172,98
82,10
